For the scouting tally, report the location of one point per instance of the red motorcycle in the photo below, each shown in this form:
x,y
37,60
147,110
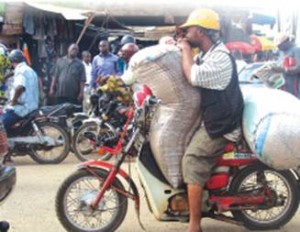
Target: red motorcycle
x,y
95,197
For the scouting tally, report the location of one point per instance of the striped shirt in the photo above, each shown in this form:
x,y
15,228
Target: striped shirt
x,y
214,71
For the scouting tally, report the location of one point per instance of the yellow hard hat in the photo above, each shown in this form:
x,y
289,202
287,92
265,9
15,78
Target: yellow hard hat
x,y
205,18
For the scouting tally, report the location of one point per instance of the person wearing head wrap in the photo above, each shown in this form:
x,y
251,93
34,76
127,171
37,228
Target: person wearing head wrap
x,y
288,63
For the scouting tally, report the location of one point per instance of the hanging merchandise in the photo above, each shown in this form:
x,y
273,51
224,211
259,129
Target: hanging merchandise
x,y
26,54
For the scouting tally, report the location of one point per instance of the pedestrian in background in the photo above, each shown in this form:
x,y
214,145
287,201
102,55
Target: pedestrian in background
x,y
24,95
103,65
69,78
122,63
86,60
288,63
126,52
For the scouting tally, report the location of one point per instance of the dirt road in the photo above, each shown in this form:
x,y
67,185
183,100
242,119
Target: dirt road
x,y
30,208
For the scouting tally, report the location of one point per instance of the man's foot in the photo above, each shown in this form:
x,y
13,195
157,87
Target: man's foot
x,y
194,228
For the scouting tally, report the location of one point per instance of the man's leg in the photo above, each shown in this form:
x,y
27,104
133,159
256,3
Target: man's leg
x,y
198,161
195,205
9,118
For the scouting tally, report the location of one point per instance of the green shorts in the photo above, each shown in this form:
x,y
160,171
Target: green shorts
x,y
201,155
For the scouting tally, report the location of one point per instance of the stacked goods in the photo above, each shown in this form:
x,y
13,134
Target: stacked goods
x,y
159,67
271,126
270,78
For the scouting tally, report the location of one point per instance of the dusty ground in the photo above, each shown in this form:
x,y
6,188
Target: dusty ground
x,y
30,208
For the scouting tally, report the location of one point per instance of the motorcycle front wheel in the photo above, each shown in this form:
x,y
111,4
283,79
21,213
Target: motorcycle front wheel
x,y
84,146
272,215
51,154
75,196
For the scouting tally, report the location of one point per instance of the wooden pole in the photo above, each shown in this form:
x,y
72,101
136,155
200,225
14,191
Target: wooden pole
x,y
86,24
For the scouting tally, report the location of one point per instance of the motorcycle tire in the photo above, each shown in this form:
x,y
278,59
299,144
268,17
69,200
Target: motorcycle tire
x,y
285,212
91,151
51,155
74,211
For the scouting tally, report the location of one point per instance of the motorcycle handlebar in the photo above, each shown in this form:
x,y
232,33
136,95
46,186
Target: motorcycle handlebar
x,y
151,100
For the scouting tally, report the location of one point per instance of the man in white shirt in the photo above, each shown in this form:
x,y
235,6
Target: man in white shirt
x,y
86,60
24,96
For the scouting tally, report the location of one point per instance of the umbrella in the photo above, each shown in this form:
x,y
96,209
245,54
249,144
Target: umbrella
x,y
262,43
242,47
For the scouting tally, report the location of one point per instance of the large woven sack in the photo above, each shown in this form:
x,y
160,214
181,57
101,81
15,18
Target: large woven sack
x,y
271,126
159,67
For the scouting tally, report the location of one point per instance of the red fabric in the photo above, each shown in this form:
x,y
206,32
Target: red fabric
x,y
289,62
256,43
242,47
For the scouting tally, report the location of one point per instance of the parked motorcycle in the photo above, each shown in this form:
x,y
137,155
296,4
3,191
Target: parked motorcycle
x,y
69,117
40,135
104,124
7,175
94,198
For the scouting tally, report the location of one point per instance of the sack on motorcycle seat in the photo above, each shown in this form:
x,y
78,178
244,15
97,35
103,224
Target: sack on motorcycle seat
x,y
176,118
271,126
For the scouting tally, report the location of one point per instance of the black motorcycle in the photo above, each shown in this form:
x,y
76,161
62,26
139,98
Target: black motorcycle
x,y
42,135
7,175
107,118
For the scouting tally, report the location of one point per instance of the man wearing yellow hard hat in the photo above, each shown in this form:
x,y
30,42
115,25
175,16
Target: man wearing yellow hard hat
x,y
214,72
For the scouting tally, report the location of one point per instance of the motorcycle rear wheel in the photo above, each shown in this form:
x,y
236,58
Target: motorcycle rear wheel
x,y
285,186
78,191
51,155
83,148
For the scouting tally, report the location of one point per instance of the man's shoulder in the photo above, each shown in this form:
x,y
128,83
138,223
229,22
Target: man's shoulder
x,y
221,48
24,68
113,56
77,60
62,59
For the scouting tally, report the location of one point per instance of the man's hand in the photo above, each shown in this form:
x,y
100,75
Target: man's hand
x,y
183,44
187,57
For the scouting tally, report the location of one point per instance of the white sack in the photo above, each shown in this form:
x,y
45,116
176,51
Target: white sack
x,y
271,126
159,67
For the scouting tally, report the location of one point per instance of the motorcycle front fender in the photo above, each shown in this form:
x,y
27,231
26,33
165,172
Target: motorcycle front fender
x,y
95,120
97,164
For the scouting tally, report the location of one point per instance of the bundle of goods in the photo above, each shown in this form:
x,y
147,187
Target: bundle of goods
x,y
177,117
271,126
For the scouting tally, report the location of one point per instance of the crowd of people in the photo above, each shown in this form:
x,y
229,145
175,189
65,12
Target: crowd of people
x,y
72,79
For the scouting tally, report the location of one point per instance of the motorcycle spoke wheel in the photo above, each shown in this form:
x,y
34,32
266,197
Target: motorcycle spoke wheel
x,y
85,148
51,154
75,196
284,189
